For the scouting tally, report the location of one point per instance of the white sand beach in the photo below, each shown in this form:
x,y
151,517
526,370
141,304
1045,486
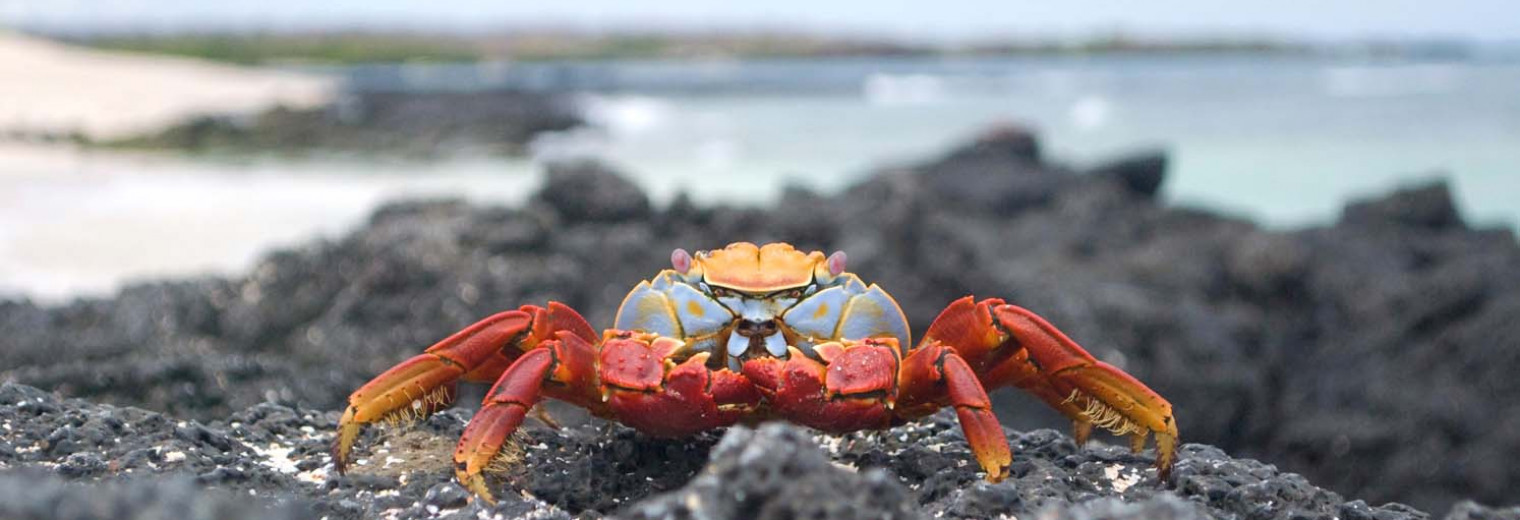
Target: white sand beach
x,y
77,221
56,89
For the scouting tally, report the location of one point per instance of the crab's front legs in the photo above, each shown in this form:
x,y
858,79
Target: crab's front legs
x,y
567,361
633,378
425,383
936,373
1010,346
863,385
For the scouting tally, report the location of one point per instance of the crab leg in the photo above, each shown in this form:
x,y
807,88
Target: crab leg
x,y
568,362
424,383
1010,346
934,372
1110,397
631,378
499,416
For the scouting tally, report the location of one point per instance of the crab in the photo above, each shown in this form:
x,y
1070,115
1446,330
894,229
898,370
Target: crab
x,y
750,333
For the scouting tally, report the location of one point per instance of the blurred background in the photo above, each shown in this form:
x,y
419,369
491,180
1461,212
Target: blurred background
x,y
121,120
1325,279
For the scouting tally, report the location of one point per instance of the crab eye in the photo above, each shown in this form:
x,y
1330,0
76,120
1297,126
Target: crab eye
x,y
680,260
837,262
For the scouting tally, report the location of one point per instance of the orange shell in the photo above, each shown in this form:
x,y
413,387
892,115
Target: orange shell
x,y
743,266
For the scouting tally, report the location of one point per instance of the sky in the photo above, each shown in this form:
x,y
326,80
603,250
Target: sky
x,y
1482,20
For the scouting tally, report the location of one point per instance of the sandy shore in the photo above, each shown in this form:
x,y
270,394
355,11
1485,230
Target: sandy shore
x,y
51,88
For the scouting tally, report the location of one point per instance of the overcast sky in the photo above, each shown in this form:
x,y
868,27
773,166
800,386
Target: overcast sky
x,y
1491,20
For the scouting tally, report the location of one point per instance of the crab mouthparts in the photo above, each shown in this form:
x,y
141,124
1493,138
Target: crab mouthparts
x,y
752,336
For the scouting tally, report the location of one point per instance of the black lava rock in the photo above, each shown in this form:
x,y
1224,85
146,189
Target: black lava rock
x,y
588,191
31,495
1141,173
591,469
416,124
1428,206
776,473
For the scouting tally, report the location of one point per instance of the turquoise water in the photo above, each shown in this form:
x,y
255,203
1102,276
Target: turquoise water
x,y
1283,139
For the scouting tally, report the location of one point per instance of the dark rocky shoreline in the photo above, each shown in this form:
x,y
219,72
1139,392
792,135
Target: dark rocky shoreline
x,y
378,123
1375,355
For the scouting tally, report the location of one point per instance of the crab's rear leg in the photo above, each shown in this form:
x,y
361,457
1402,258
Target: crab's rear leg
x,y
1010,346
424,383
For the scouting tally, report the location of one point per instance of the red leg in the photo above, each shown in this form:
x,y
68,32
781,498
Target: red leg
x,y
424,383
1007,345
934,375
567,362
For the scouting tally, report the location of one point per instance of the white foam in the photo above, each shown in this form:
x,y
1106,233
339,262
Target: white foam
x,y
903,89
1090,112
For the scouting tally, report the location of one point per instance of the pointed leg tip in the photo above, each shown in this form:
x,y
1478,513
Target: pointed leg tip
x,y
996,475
340,461
1081,431
1166,454
1164,474
476,485
343,442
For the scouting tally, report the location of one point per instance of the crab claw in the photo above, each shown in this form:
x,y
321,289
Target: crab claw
x,y
1106,396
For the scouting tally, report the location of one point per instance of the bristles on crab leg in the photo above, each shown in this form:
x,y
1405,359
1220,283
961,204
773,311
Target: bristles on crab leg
x,y
422,407
1102,415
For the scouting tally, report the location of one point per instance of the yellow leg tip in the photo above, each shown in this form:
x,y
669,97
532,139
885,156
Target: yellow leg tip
x,y
476,484
343,443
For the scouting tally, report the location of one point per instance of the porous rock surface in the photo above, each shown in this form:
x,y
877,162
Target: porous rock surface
x,y
271,461
1375,355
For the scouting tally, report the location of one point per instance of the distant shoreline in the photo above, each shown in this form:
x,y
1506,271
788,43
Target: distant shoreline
x,y
360,47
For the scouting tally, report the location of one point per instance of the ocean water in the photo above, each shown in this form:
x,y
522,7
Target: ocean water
x,y
1286,140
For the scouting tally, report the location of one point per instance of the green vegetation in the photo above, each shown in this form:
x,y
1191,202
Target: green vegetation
x,y
345,48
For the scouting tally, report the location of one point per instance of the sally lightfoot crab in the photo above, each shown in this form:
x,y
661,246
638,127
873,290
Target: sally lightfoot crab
x,y
749,333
